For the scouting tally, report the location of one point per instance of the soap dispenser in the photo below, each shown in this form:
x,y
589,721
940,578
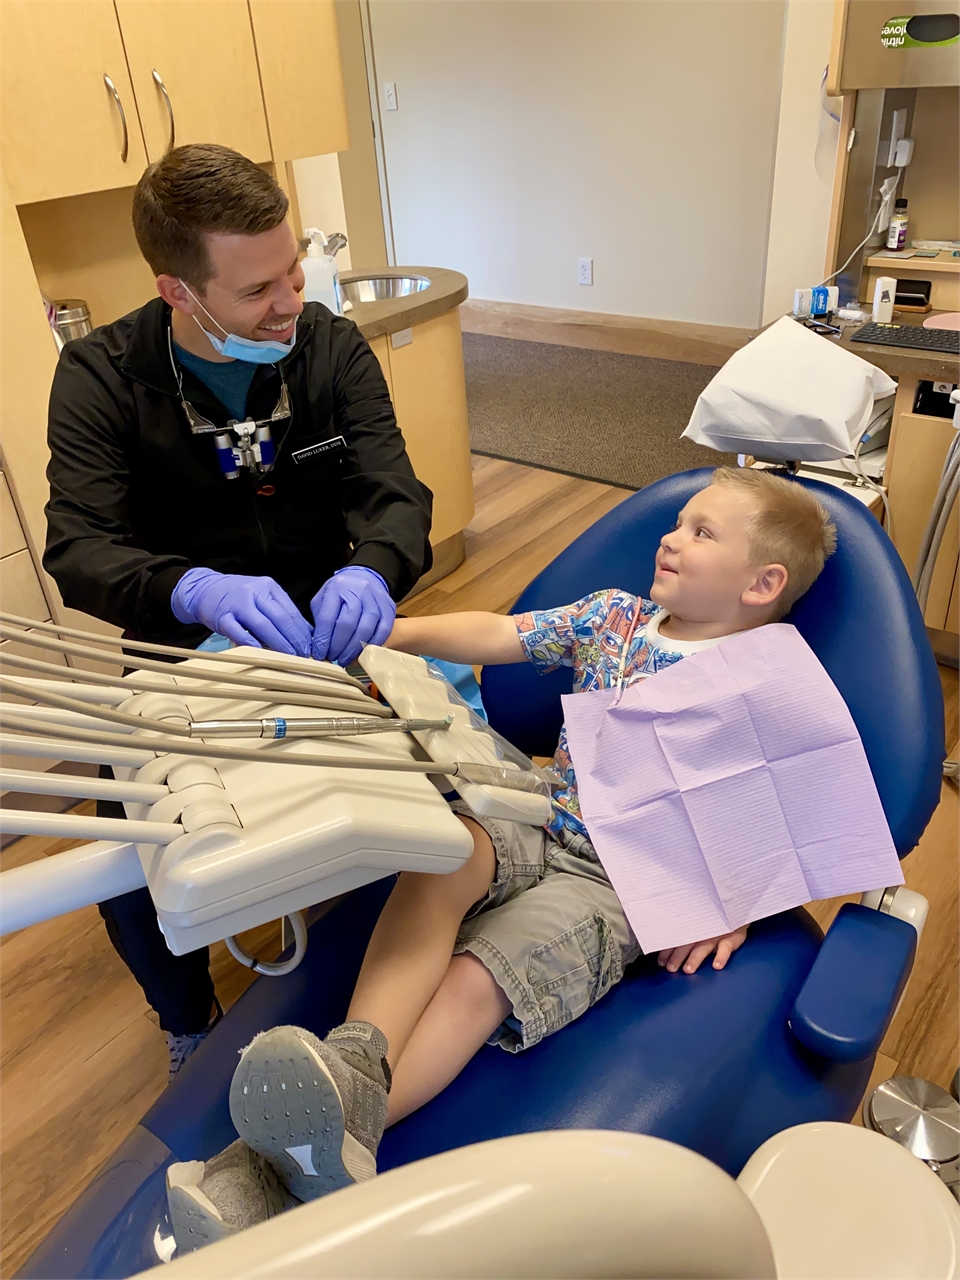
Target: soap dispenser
x,y
321,277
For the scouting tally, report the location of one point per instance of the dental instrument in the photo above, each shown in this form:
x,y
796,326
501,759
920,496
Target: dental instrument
x,y
303,667
346,700
278,727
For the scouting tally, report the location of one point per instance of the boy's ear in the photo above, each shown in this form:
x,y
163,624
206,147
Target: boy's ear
x,y
767,586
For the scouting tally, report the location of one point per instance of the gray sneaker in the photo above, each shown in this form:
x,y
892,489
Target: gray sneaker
x,y
212,1200
315,1109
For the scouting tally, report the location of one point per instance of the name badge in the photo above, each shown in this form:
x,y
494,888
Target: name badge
x,y
314,450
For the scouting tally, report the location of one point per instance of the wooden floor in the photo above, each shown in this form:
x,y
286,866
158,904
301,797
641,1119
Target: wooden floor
x,y
81,1055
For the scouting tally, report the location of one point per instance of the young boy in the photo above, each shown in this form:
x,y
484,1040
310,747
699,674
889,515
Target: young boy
x,y
529,933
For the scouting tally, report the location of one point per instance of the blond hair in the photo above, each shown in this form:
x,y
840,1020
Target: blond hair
x,y
789,527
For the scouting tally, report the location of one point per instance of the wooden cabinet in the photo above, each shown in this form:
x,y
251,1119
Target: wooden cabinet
x,y
181,70
209,87
299,55
876,46
427,386
62,128
918,448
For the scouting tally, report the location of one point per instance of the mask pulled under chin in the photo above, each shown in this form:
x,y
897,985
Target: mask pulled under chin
x,y
237,348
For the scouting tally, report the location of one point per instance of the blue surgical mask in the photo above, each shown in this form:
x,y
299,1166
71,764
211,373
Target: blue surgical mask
x,y
237,348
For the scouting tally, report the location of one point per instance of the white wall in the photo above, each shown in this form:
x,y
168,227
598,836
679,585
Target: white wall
x,y
806,156
640,133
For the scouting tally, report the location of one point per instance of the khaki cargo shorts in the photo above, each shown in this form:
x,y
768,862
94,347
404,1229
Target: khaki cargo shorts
x,y
551,930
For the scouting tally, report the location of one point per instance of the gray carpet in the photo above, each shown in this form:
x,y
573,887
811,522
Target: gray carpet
x,y
595,414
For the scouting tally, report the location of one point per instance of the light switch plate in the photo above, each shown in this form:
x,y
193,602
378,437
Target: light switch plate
x,y
390,95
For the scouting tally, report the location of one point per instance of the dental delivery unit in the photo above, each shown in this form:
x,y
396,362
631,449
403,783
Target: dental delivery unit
x,y
254,785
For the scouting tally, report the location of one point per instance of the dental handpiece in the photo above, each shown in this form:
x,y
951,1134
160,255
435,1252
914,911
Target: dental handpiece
x,y
336,727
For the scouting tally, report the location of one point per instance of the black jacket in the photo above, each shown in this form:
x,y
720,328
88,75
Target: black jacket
x,y
136,499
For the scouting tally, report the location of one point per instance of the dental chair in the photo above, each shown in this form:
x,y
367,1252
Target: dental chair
x,y
716,1062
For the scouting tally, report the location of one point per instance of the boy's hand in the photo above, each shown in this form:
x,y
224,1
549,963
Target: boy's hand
x,y
692,954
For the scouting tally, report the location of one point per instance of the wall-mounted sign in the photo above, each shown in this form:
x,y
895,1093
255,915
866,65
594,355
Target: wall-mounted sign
x,y
923,31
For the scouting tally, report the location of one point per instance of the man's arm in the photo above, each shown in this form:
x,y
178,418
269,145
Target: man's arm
x,y
91,552
481,639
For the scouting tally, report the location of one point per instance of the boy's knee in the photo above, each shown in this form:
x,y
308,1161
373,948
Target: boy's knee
x,y
475,986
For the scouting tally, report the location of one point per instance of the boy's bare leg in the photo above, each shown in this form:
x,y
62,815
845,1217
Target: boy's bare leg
x,y
466,1010
410,949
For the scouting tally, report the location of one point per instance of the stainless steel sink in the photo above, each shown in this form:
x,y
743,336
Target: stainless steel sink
x,y
378,288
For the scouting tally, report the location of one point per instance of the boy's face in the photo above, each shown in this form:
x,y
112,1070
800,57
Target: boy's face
x,y
705,571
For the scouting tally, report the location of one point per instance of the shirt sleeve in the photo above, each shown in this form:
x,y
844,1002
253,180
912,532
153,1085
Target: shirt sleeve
x,y
553,638
91,550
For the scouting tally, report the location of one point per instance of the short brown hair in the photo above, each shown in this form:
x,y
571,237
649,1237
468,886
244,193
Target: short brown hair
x,y
195,190
790,527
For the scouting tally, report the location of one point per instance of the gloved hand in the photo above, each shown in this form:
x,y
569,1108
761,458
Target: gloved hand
x,y
254,611
351,609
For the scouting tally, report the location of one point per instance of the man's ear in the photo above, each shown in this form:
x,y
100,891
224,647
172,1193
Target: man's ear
x,y
174,293
767,587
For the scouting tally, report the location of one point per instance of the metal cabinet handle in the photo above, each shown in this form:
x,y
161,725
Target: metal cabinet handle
x,y
124,149
158,81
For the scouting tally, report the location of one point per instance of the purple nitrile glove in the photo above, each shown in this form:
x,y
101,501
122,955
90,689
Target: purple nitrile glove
x,y
252,611
351,609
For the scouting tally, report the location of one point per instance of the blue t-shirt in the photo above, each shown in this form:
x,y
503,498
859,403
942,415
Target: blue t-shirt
x,y
229,380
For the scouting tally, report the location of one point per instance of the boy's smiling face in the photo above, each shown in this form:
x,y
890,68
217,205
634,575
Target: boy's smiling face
x,y
705,569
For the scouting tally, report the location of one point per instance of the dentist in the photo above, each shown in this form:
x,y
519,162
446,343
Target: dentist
x,y
227,460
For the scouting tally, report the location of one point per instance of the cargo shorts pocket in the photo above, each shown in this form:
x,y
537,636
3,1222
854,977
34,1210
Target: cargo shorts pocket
x,y
570,973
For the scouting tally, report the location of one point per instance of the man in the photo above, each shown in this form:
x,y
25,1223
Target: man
x,y
166,516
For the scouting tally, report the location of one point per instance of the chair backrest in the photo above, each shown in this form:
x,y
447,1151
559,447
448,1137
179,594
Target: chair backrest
x,y
860,618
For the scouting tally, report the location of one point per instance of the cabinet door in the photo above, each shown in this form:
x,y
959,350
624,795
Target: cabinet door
x,y
62,129
203,52
430,399
299,55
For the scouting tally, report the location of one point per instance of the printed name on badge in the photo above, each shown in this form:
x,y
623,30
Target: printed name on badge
x,y
322,446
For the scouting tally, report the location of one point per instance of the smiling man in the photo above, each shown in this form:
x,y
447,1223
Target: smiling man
x,y
227,460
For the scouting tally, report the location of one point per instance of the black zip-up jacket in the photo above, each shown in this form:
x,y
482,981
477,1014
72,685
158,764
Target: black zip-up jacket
x,y
136,499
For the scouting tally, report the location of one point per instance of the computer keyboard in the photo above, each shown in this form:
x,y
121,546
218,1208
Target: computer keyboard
x,y
910,335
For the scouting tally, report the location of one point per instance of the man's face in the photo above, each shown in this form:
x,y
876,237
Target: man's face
x,y
704,565
256,285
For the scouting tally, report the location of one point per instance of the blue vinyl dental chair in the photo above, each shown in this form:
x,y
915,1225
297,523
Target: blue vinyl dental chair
x,y
717,1062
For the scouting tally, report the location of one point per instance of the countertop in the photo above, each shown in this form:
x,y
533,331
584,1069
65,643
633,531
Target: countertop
x,y
903,362
447,290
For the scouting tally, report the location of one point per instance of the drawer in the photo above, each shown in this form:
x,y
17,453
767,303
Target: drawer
x,y
20,590
14,648
11,531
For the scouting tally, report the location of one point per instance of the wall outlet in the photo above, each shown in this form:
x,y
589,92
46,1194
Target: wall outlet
x,y
390,95
584,271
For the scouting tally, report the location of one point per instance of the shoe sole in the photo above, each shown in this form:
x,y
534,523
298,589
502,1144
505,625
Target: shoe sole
x,y
284,1103
193,1223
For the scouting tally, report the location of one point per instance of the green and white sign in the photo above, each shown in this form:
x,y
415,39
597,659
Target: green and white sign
x,y
922,31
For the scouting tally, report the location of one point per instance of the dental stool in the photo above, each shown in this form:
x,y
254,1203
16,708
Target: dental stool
x,y
786,1035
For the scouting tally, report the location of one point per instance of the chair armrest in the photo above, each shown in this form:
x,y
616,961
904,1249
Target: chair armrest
x,y
851,993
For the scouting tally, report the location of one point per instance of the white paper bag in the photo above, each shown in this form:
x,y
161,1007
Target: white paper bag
x,y
789,396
